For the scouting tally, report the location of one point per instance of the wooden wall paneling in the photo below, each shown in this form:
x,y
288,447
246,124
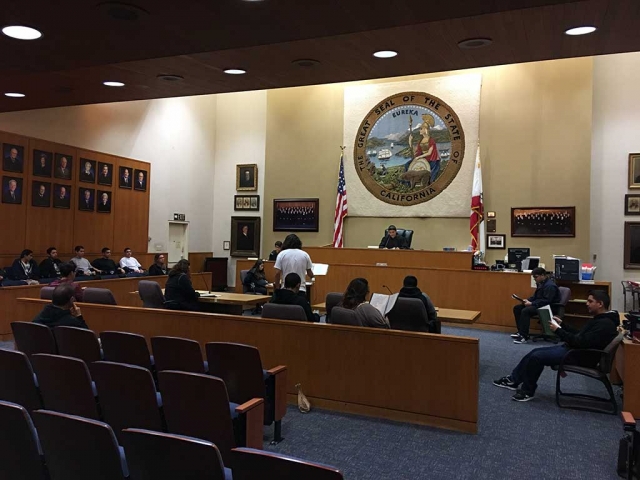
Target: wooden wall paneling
x,y
14,217
131,208
49,226
197,260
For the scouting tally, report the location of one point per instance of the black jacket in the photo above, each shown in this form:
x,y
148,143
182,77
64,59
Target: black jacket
x,y
546,293
415,292
156,270
283,296
52,316
254,279
179,293
273,255
397,242
48,269
106,266
17,272
597,333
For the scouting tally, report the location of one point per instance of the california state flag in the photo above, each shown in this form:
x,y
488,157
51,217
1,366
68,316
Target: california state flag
x,y
476,224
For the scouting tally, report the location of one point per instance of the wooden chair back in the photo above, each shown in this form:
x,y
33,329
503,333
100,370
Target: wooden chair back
x,y
17,381
20,451
33,338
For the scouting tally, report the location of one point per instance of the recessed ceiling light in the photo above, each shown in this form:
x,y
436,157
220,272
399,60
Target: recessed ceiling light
x,y
14,95
235,71
113,84
580,30
168,77
385,54
472,43
21,32
306,62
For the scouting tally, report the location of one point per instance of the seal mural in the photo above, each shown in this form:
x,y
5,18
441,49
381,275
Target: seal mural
x,y
409,148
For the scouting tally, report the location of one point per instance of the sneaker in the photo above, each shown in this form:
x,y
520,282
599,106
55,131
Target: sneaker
x,y
516,335
521,339
522,396
506,382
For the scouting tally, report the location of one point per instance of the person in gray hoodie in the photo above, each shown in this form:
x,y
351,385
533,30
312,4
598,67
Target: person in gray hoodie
x,y
62,311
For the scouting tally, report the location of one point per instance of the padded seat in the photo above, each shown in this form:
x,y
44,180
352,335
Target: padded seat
x,y
150,294
251,464
332,299
175,353
78,343
124,347
46,293
98,295
409,314
344,316
283,312
33,338
17,380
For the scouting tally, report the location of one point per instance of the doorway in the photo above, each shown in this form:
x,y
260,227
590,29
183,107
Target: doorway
x,y
178,242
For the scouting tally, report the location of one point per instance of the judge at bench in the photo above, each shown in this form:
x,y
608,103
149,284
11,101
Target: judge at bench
x,y
392,240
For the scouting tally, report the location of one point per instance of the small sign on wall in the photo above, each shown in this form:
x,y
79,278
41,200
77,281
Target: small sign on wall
x,y
179,216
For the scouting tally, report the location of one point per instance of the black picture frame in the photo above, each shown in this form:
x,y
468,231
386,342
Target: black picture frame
x,y
543,222
632,245
632,204
123,174
40,198
7,197
242,246
84,204
496,241
247,203
100,206
87,176
296,215
37,167
60,201
103,179
63,166
136,180
12,162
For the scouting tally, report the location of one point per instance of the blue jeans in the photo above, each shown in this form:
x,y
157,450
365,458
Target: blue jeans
x,y
532,364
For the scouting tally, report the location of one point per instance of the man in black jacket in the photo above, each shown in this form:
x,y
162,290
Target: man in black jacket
x,y
62,311
289,296
392,241
25,268
546,293
105,265
596,334
50,266
410,290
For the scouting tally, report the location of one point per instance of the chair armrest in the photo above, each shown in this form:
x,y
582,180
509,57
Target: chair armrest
x,y
249,405
280,374
277,370
628,420
579,355
253,411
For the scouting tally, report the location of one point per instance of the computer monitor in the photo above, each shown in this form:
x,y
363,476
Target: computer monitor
x,y
530,263
515,256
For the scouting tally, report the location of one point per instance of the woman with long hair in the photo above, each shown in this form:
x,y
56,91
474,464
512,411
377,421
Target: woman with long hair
x,y
255,280
355,298
178,291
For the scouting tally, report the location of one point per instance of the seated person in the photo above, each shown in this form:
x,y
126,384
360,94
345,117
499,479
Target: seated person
x,y
274,253
62,311
106,265
158,267
83,267
178,291
2,274
355,297
410,290
255,280
25,268
392,241
289,296
129,263
546,293
597,334
50,266
68,275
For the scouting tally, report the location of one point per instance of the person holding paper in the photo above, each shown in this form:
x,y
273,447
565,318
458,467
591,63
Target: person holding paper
x,y
596,334
289,296
292,259
355,297
392,241
546,293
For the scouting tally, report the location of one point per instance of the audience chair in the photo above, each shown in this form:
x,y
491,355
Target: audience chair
x,y
344,316
243,275
78,343
129,348
558,310
98,295
79,448
175,353
46,293
198,406
283,312
33,338
594,364
240,367
20,452
65,385
409,314
250,464
128,397
406,234
332,299
162,456
18,383
150,294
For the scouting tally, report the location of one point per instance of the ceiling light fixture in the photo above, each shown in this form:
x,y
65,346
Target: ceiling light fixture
x,y
235,71
14,95
473,43
385,54
305,62
167,77
113,84
21,32
580,30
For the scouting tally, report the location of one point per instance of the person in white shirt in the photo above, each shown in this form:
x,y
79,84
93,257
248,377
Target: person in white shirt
x,y
83,267
292,259
129,263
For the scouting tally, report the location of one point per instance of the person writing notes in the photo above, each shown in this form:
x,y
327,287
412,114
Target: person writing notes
x,y
392,241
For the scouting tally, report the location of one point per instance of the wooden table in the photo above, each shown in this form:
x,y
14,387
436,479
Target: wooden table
x,y
449,315
233,303
627,364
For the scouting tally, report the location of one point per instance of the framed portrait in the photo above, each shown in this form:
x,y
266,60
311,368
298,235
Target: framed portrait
x,y
632,204
86,199
247,177
12,190
40,194
140,180
245,236
61,196
543,222
125,179
496,241
105,173
634,170
87,170
12,158
246,202
632,245
104,201
63,166
42,163
296,215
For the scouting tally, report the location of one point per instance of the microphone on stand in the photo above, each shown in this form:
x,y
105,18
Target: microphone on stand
x,y
390,292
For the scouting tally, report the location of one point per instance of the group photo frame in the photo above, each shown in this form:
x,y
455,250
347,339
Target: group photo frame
x,y
543,222
246,203
296,215
496,241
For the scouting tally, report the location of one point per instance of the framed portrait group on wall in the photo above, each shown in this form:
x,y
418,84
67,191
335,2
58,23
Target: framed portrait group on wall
x,y
632,208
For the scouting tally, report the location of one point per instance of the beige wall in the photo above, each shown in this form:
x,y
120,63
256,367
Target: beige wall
x,y
535,138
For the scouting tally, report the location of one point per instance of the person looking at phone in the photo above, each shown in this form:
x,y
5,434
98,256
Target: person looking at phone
x,y
62,311
546,293
597,334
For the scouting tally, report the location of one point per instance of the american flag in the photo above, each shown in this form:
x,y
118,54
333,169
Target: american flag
x,y
341,208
